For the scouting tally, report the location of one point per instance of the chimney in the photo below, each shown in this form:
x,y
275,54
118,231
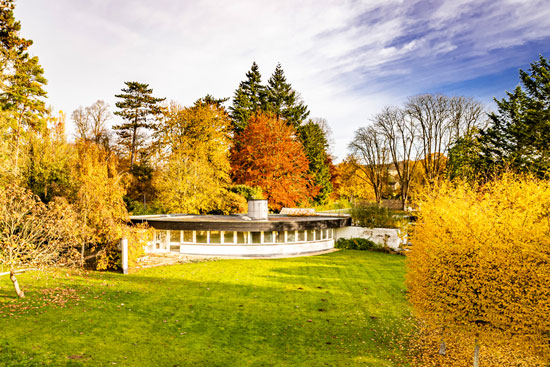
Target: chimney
x,y
257,209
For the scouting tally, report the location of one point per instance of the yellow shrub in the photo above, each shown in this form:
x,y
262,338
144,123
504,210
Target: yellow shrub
x,y
480,261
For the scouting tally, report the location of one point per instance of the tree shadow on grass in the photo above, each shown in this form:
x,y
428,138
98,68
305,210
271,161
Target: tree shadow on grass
x,y
155,320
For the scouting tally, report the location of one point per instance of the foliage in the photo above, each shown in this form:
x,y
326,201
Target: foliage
x,y
267,154
244,305
358,244
21,82
99,198
283,101
33,234
137,106
249,99
480,261
352,182
519,136
49,161
194,172
314,139
373,215
248,192
276,98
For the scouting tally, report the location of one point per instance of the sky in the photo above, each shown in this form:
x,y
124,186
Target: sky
x,y
347,59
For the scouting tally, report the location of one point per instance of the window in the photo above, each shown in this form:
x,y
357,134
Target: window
x,y
302,236
280,236
202,237
317,234
242,237
256,237
175,236
228,237
188,236
215,237
268,237
291,236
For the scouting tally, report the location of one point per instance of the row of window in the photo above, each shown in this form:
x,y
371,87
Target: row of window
x,y
165,239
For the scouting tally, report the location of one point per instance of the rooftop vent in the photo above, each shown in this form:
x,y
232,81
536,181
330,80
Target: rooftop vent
x,y
257,209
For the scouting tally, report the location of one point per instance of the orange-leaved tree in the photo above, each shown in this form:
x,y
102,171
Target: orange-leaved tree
x,y
480,261
268,154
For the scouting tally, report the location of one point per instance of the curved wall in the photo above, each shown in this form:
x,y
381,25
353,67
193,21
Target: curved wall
x,y
257,250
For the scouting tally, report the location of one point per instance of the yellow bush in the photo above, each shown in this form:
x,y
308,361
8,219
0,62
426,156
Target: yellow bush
x,y
480,261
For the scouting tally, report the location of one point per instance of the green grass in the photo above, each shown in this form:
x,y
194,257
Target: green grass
x,y
341,309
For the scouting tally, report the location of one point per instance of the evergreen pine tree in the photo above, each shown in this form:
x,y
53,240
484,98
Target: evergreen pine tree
x,y
283,101
315,143
249,99
519,137
137,107
21,81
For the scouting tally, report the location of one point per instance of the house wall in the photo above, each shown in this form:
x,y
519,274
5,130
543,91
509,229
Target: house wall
x,y
389,236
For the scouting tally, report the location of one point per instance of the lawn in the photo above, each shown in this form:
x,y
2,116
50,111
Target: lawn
x,y
340,309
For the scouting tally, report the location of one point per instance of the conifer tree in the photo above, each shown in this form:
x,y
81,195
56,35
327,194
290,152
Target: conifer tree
x,y
314,139
137,107
21,80
283,101
519,136
249,99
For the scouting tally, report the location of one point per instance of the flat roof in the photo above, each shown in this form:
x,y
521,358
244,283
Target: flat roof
x,y
240,222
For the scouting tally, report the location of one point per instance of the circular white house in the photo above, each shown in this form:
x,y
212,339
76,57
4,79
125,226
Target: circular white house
x,y
255,234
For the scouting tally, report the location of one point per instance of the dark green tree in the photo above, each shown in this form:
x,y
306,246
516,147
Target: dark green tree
x,y
283,101
249,99
21,81
519,135
139,108
313,136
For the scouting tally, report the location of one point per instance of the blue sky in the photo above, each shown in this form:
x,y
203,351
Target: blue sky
x,y
347,59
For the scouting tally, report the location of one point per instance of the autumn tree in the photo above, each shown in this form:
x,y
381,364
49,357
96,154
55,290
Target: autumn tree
x,y
371,152
353,183
480,261
194,175
33,234
98,198
313,136
138,108
268,154
248,99
283,101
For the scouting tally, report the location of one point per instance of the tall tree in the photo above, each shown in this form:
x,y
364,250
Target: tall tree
x,y
267,154
400,133
22,81
519,135
91,123
194,174
370,148
248,99
283,101
313,136
137,107
441,121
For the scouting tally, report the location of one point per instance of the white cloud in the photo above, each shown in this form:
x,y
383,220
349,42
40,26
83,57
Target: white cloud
x,y
347,58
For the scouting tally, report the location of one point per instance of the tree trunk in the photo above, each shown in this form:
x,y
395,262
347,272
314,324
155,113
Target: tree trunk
x,y
476,354
442,347
16,285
